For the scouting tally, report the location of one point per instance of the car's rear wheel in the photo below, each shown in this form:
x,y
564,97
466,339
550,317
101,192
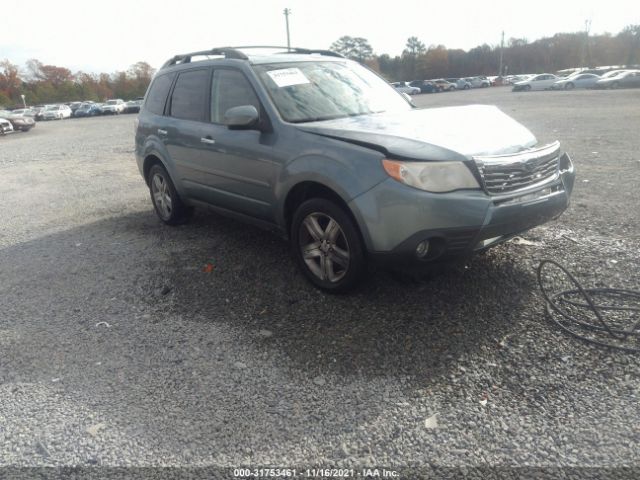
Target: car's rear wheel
x,y
327,246
569,86
166,201
527,88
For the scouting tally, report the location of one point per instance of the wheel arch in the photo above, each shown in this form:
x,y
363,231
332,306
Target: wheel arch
x,y
149,161
308,189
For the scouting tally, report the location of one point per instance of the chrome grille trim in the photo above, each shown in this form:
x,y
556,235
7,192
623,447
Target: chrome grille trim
x,y
513,173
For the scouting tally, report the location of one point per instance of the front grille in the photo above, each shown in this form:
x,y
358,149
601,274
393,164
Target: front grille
x,y
504,174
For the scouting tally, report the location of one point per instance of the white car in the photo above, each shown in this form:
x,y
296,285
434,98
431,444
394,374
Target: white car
x,y
582,80
537,82
5,126
478,82
402,87
113,107
56,112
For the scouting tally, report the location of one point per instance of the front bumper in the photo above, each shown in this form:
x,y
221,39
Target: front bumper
x,y
394,218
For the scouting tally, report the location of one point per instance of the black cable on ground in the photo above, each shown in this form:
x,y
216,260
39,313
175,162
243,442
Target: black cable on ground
x,y
586,319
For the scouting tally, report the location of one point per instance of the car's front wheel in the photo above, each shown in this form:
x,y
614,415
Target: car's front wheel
x,y
165,198
327,246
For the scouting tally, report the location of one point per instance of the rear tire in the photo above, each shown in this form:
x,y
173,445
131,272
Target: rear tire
x,y
569,86
326,245
167,203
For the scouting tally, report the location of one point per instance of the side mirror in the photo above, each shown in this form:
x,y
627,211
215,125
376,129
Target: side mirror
x,y
244,116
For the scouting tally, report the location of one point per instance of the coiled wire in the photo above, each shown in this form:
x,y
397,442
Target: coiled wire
x,y
586,320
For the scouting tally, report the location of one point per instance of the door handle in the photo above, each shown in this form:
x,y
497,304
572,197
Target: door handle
x,y
162,132
208,140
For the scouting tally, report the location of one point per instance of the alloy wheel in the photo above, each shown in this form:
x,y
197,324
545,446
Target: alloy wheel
x,y
324,247
161,196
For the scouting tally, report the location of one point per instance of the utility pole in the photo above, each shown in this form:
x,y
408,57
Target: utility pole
x,y
501,50
287,12
587,29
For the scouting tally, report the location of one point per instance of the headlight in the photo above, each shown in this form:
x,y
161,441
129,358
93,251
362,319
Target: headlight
x,y
434,177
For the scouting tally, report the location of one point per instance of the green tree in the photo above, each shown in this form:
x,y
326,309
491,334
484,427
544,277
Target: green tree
x,y
414,47
355,48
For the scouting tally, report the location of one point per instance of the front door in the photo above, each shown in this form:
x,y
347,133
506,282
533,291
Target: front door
x,y
235,168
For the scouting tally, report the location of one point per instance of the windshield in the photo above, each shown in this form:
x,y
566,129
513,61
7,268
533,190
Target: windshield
x,y
314,91
52,107
112,102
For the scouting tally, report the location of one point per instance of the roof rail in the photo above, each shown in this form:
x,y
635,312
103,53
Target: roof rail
x,y
234,52
306,51
227,52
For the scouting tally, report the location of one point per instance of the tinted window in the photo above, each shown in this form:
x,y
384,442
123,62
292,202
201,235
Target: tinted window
x,y
229,89
190,95
158,94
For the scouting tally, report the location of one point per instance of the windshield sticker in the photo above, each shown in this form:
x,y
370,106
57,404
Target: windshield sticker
x,y
287,77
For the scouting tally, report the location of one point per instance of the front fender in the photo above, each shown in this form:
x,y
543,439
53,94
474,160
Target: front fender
x,y
350,174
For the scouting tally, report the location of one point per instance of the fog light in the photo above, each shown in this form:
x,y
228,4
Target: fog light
x,y
422,249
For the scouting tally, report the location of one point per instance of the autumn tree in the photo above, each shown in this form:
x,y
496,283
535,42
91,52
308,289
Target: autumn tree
x,y
10,81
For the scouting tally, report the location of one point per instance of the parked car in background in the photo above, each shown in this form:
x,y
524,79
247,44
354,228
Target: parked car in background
x,y
403,87
582,80
74,106
25,112
18,122
612,73
444,85
113,107
478,82
5,126
39,112
460,83
626,79
56,112
132,106
88,110
425,86
536,82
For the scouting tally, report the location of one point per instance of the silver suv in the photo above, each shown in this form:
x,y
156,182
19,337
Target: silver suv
x,y
326,152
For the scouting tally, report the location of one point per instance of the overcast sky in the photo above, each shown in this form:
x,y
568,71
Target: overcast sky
x,y
117,33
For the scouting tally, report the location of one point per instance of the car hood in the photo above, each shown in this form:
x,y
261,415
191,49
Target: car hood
x,y
431,134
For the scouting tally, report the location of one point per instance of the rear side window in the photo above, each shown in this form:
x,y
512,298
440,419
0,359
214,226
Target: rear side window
x,y
157,96
229,89
190,95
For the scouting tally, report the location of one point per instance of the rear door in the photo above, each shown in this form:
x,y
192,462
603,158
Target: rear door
x,y
186,123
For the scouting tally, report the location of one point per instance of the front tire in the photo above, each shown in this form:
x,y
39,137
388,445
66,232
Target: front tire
x,y
166,201
326,245
569,86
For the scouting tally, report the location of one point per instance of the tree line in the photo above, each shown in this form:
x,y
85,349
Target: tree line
x,y
550,54
41,83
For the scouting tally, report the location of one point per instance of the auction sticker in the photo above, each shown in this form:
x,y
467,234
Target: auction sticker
x,y
287,77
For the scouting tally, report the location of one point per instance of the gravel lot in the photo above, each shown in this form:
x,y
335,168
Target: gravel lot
x,y
117,349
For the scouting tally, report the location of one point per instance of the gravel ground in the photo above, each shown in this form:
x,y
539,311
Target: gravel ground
x,y
118,349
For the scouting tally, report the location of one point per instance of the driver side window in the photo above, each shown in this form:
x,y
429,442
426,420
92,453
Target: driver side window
x,y
229,89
